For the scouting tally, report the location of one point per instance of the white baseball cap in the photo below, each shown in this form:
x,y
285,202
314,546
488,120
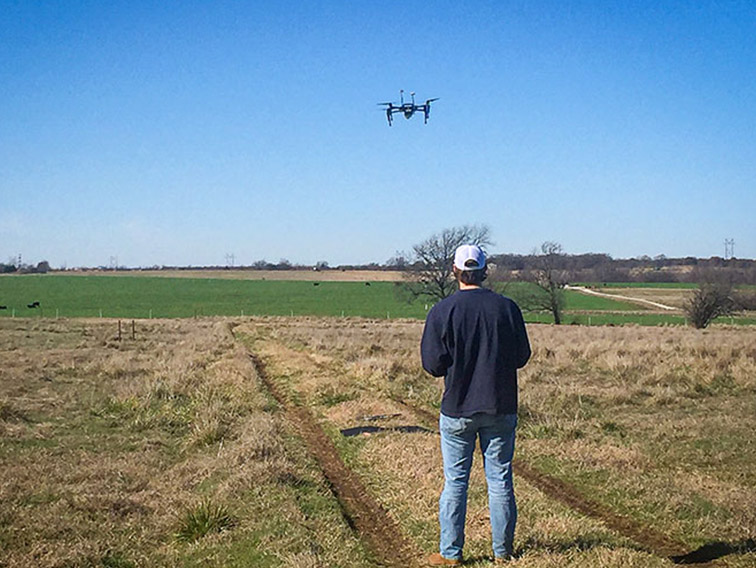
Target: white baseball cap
x,y
469,257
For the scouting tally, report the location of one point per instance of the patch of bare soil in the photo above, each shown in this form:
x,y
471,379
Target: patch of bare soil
x,y
363,513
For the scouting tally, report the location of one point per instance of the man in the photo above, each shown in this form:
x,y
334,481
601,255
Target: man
x,y
476,340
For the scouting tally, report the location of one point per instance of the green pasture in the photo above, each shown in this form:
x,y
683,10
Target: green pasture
x,y
157,297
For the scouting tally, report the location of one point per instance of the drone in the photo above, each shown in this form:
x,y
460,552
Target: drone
x,y
407,109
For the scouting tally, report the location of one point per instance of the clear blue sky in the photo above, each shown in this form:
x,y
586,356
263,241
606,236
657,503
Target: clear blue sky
x,y
176,132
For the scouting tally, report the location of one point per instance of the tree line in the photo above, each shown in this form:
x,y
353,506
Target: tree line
x,y
549,270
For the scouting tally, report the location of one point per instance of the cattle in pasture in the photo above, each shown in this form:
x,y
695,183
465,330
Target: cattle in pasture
x,y
33,305
316,283
367,283
3,307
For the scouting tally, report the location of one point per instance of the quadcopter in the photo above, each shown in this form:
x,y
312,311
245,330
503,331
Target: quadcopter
x,y
407,109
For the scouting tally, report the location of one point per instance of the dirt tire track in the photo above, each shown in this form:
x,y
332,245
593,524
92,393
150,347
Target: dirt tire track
x,y
655,542
369,520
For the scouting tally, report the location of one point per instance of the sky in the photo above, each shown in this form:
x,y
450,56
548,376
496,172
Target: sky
x,y
182,132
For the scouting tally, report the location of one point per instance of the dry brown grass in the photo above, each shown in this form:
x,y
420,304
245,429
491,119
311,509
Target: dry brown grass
x,y
235,274
674,297
106,445
656,423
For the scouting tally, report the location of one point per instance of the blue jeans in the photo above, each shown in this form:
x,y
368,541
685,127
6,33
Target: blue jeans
x,y
458,438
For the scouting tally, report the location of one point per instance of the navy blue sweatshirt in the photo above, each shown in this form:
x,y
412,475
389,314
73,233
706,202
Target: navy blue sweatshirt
x,y
476,339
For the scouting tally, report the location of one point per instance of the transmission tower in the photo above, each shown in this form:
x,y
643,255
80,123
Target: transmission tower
x,y
729,248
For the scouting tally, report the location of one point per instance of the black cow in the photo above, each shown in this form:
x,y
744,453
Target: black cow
x,y
33,305
3,307
316,283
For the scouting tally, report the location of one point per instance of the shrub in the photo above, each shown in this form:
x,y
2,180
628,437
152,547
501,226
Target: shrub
x,y
707,302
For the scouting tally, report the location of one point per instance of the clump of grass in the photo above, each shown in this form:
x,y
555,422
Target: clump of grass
x,y
9,412
116,560
331,396
203,519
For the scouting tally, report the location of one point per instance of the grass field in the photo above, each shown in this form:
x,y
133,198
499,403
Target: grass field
x,y
652,423
158,451
167,297
168,449
162,297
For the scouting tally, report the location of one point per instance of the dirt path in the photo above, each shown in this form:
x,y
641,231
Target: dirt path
x,y
588,291
363,513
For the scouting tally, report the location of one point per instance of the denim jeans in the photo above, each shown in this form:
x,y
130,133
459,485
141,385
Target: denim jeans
x,y
458,439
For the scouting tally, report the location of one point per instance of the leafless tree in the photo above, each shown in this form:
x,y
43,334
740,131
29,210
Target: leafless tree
x,y
708,301
431,273
550,281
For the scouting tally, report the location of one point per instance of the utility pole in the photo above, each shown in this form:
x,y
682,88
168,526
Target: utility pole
x,y
230,260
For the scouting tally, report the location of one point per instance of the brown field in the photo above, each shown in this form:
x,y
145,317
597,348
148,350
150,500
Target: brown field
x,y
331,275
674,297
108,446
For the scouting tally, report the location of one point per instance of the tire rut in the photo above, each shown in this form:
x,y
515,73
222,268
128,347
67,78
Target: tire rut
x,y
653,541
366,517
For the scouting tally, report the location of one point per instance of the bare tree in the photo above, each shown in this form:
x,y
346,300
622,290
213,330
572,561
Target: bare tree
x,y
550,281
708,301
431,273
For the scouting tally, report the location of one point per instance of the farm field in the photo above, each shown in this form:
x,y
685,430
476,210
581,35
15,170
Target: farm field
x,y
275,435
327,275
674,296
166,297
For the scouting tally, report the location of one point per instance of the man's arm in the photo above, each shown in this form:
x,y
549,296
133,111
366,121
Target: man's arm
x,y
435,357
523,344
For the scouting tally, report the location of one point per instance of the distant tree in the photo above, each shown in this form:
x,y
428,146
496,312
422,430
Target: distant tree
x,y
283,264
549,280
262,264
431,274
321,265
398,262
709,301
42,267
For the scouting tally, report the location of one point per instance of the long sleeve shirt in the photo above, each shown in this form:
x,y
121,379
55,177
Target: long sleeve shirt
x,y
476,340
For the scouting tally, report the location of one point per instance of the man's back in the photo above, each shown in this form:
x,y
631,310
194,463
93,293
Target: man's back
x,y
477,339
